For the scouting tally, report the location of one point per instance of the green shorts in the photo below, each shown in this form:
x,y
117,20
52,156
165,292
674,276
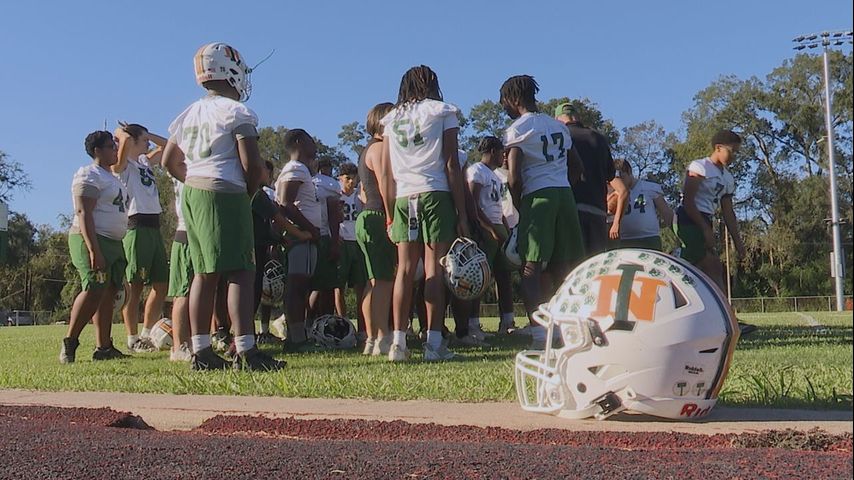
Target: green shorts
x,y
326,272
351,265
219,230
180,270
146,256
114,258
425,218
548,227
495,251
379,253
649,243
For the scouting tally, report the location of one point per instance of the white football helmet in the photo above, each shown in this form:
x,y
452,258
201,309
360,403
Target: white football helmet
x,y
218,61
161,334
121,298
467,271
642,332
273,283
511,249
332,331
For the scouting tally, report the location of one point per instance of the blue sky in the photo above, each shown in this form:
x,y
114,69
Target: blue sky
x,y
71,65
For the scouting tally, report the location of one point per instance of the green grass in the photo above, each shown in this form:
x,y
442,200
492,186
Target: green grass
x,y
785,364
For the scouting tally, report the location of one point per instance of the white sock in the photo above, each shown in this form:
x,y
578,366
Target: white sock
x,y
132,339
201,342
399,338
434,339
244,343
538,333
474,323
507,318
145,333
265,327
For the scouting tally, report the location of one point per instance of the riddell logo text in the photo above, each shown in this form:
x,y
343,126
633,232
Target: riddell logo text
x,y
692,410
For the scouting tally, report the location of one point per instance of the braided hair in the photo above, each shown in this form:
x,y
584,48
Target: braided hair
x,y
521,89
418,83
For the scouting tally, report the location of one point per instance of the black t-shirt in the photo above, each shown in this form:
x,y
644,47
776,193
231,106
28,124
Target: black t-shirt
x,y
595,154
263,211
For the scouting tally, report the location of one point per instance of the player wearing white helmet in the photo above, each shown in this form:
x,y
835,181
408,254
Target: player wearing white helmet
x,y
425,197
213,150
549,235
95,245
143,242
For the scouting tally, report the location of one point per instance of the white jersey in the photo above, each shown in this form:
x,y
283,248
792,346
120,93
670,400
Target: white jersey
x,y
507,208
179,210
207,134
544,142
271,194
110,215
141,187
489,199
640,220
326,187
352,207
414,133
306,201
716,184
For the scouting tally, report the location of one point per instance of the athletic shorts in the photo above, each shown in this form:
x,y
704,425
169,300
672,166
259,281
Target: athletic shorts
x,y
351,265
380,255
691,235
548,227
114,259
425,218
495,251
146,256
301,259
326,273
180,270
219,230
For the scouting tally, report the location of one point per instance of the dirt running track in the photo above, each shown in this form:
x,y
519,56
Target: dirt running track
x,y
47,443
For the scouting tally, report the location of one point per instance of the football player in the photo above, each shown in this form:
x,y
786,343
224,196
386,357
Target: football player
x,y
325,277
485,188
351,265
213,150
511,220
297,194
180,278
549,236
639,227
95,245
378,251
709,185
143,242
424,200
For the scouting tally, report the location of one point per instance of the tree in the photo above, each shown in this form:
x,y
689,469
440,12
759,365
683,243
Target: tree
x,y
12,177
649,149
271,144
354,137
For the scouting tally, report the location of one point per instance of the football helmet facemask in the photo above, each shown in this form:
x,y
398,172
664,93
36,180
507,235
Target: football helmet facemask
x,y
467,271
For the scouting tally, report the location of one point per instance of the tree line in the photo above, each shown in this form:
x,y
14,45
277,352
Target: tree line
x,y
782,199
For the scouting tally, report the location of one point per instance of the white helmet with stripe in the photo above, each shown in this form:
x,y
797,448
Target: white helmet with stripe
x,y
218,61
641,332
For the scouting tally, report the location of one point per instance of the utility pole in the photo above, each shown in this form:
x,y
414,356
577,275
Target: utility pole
x,y
826,40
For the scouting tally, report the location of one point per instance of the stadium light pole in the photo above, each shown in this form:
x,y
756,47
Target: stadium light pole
x,y
826,40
